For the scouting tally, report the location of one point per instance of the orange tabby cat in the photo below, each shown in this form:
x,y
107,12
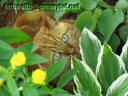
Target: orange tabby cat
x,y
55,40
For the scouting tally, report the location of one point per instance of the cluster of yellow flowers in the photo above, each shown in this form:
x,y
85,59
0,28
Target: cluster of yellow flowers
x,y
19,59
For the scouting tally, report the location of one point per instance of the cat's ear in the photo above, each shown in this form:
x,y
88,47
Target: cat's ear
x,y
30,22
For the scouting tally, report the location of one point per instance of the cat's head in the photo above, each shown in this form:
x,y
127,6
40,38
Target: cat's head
x,y
58,41
55,40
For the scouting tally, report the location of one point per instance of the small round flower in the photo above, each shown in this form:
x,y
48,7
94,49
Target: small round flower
x,y
1,82
18,59
39,76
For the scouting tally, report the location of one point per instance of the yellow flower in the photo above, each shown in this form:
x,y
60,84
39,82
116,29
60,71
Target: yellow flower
x,y
39,76
1,82
18,59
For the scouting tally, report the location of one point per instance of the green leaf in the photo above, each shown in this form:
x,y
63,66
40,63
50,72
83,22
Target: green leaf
x,y
103,4
108,22
86,79
28,47
12,87
114,42
85,19
55,69
122,4
33,59
90,48
4,46
29,90
124,55
11,35
44,90
119,87
123,33
4,92
60,92
6,52
88,19
110,66
66,78
88,5
96,16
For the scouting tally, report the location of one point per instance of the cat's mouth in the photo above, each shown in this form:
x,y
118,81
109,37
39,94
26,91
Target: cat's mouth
x,y
74,53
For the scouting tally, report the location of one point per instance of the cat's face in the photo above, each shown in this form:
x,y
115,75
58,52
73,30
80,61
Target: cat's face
x,y
61,40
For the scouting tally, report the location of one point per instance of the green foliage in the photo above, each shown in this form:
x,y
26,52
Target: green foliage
x,y
88,5
88,19
90,48
27,88
122,4
124,54
114,42
123,33
87,79
101,72
55,69
108,22
11,35
110,69
102,19
19,80
119,87
108,60
66,78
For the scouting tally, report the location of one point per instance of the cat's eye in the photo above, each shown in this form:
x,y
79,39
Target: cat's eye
x,y
57,56
65,38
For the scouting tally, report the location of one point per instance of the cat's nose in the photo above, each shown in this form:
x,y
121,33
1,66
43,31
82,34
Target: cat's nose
x,y
73,51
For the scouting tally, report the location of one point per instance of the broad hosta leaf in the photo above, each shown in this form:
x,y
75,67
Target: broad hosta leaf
x,y
88,5
123,33
114,42
122,4
11,84
11,35
108,22
66,78
86,79
55,69
124,55
29,90
110,67
119,87
90,48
